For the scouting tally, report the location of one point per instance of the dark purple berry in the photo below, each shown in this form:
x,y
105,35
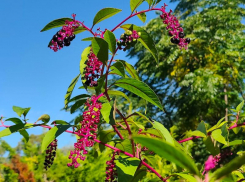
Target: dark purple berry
x,y
181,35
87,82
67,43
55,38
175,40
72,37
60,43
66,39
58,34
170,34
188,40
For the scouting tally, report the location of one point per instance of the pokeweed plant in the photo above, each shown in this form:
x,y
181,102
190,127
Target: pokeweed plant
x,y
132,142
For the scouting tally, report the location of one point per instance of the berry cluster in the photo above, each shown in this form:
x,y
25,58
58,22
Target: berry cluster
x,y
50,154
128,39
87,132
111,173
92,70
175,31
64,36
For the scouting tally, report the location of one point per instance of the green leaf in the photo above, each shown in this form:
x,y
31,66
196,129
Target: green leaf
x,y
100,49
118,68
145,39
202,128
186,176
197,133
70,90
111,40
77,105
45,118
118,93
142,17
79,30
11,129
20,110
134,4
217,135
239,107
165,133
228,168
100,82
52,134
139,174
79,97
88,39
15,120
150,2
126,167
130,69
56,23
105,136
213,149
168,152
60,122
140,89
24,134
235,142
104,14
106,111
126,146
84,58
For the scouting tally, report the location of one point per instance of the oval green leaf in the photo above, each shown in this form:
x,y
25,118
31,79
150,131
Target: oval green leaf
x,y
104,14
100,49
111,40
130,69
134,4
56,23
168,152
140,89
52,134
70,90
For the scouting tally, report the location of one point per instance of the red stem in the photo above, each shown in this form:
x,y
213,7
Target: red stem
x,y
144,11
195,137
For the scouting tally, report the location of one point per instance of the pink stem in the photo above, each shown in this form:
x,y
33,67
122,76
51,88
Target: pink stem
x,y
195,137
153,9
90,30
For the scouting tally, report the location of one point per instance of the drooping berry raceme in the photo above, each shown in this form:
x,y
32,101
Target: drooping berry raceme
x,y
64,36
128,39
50,154
87,132
175,31
92,70
111,173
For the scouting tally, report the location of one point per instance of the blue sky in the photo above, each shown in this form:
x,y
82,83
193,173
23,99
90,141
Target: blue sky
x,y
34,76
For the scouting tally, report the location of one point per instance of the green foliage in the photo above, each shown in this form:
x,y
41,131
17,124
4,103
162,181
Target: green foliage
x,y
56,23
100,49
104,14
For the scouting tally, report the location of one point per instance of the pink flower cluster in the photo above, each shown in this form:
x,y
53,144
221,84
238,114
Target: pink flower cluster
x,y
92,70
111,172
128,39
65,35
212,162
87,133
175,31
50,154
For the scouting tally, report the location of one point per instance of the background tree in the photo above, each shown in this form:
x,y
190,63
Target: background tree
x,y
199,83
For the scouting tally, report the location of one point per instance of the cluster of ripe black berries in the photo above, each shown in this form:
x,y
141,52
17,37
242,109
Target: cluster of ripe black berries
x,y
63,41
128,40
50,154
175,40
